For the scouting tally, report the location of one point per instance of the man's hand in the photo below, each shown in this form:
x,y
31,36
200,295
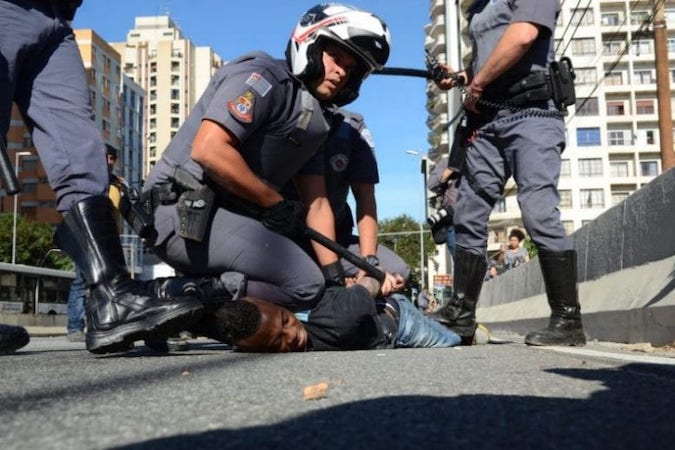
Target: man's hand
x,y
392,283
473,94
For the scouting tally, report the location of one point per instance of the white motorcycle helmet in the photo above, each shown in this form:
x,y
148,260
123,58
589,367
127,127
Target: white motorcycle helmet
x,y
363,34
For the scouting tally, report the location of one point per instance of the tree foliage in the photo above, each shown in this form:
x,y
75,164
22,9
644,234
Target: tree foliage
x,y
401,234
34,240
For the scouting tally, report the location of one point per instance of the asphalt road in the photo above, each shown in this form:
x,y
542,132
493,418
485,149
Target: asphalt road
x,y
55,395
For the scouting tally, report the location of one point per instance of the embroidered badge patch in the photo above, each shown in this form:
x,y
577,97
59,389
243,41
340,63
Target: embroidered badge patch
x,y
259,83
339,162
242,107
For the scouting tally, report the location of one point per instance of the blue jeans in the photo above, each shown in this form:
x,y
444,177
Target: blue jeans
x,y
450,242
76,298
415,330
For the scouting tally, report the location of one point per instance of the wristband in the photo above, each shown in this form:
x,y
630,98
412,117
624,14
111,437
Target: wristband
x,y
373,260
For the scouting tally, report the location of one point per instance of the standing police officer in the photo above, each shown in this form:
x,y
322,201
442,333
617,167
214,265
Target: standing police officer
x,y
260,124
41,70
512,52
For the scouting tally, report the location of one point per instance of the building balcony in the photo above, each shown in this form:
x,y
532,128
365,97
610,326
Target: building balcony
x,y
437,26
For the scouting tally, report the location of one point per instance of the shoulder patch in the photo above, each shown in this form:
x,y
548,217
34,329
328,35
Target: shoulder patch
x,y
365,134
259,84
242,106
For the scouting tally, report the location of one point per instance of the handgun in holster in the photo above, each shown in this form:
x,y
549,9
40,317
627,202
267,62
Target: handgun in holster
x,y
194,212
131,209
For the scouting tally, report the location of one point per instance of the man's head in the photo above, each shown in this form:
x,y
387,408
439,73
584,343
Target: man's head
x,y
255,325
360,34
516,237
111,156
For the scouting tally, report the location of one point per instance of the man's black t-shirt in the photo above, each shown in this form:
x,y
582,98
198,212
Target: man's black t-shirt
x,y
348,319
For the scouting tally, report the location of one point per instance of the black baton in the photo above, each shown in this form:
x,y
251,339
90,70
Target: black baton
x,y
370,269
7,174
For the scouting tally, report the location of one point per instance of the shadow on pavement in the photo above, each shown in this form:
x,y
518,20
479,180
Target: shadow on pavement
x,y
634,411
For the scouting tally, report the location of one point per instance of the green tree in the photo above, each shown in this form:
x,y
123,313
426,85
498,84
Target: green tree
x,y
33,242
402,235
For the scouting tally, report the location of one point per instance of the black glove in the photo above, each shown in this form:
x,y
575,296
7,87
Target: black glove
x,y
283,217
334,274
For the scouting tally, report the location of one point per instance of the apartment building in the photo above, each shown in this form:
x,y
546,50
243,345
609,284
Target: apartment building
x,y
613,144
172,71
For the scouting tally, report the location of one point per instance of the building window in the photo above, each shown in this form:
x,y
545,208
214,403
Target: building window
x,y
582,16
616,108
175,122
614,79
590,167
565,199
500,205
671,45
612,47
587,137
175,108
610,19
565,168
586,75
618,169
642,47
644,107
175,66
587,106
583,46
639,17
643,77
28,187
650,136
649,168
175,94
618,197
592,198
619,137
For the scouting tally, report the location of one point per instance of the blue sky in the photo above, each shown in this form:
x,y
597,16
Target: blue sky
x,y
394,106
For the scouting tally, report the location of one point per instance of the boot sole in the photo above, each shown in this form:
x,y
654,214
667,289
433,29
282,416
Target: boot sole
x,y
120,338
574,341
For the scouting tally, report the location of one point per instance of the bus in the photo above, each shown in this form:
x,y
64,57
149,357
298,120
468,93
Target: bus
x,y
30,289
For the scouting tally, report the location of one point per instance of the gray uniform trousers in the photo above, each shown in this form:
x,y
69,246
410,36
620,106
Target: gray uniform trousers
x,y
528,148
41,70
278,269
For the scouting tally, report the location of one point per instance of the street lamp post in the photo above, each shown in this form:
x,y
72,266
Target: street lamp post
x,y
17,155
424,210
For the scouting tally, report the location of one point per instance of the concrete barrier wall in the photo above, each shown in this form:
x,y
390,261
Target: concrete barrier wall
x,y
626,269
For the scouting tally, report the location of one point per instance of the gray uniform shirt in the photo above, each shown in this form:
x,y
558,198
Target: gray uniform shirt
x,y
279,134
489,20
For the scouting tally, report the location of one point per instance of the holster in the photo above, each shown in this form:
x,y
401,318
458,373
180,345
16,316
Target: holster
x,y
133,212
556,84
195,208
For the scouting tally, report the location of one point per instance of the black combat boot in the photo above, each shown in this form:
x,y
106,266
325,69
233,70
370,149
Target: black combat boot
x,y
118,311
459,314
12,338
560,277
211,291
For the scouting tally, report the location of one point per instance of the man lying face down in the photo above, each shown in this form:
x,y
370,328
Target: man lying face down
x,y
346,318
